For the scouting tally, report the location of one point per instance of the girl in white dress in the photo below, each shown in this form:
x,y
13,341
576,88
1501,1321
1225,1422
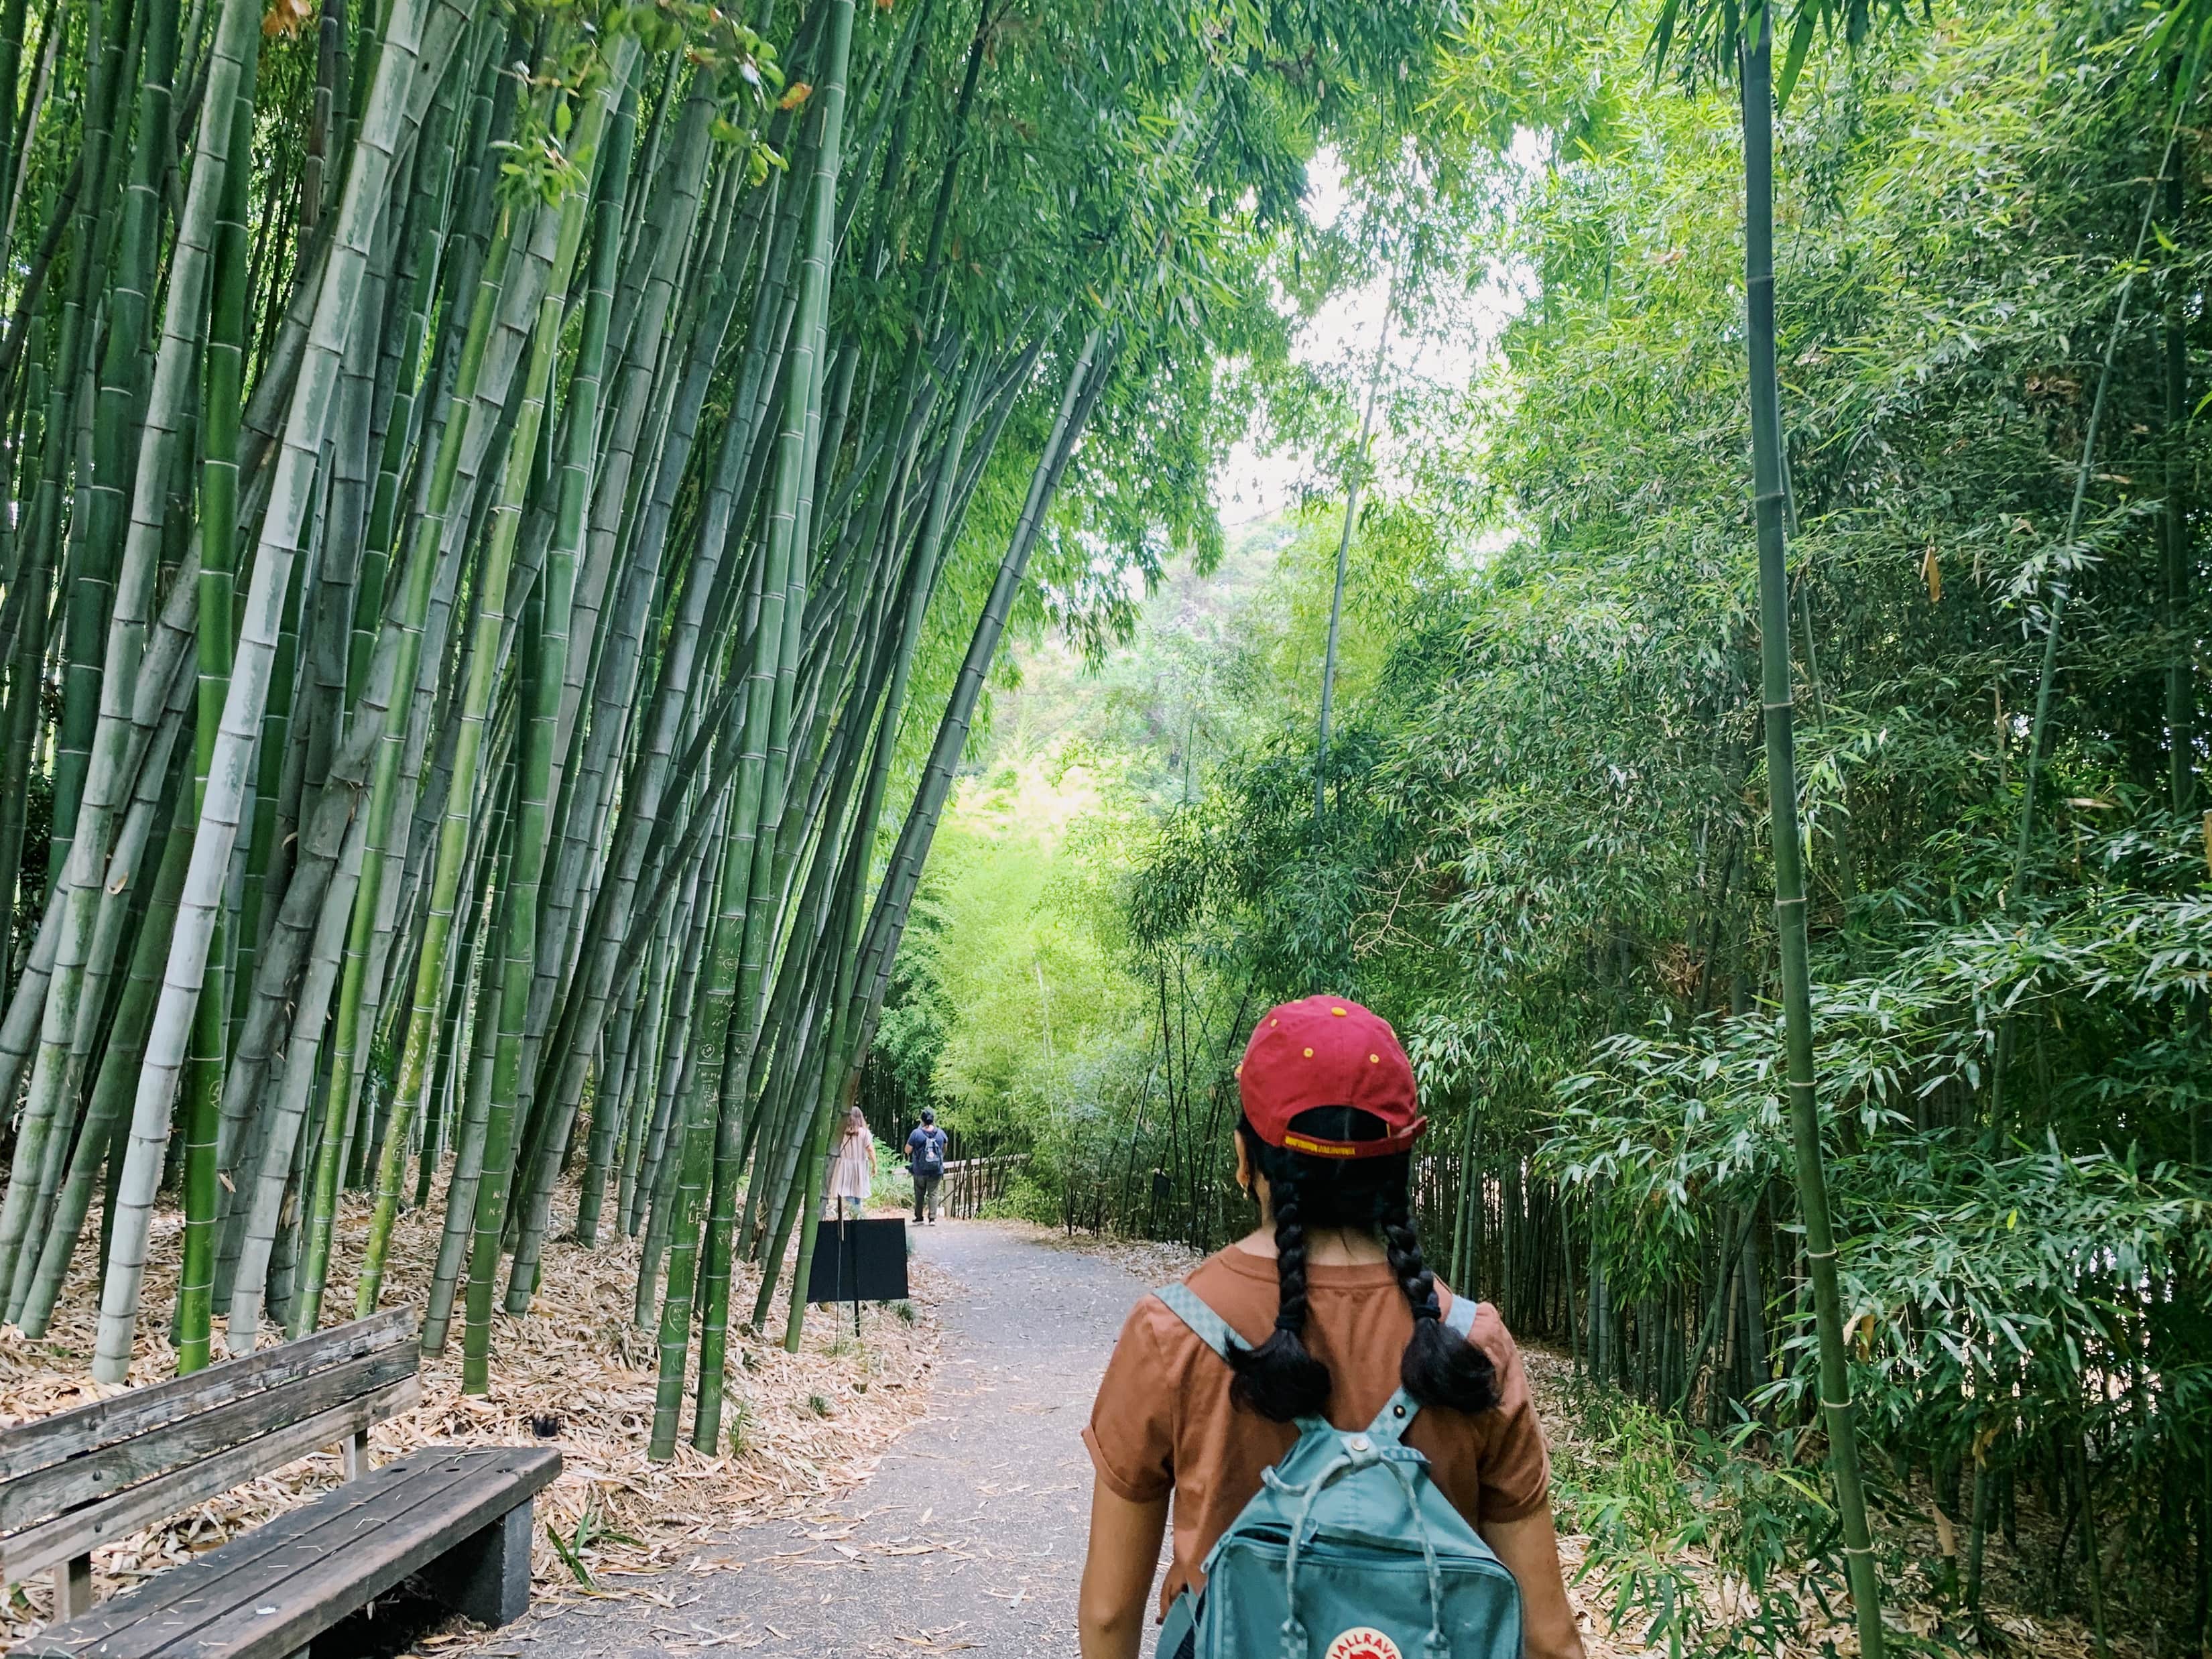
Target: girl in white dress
x,y
853,1171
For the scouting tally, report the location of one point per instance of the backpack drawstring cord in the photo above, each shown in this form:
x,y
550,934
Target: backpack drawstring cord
x,y
1294,1631
1436,1648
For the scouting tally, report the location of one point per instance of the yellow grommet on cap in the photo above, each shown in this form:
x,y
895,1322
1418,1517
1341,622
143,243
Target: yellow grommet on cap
x,y
1372,1059
1308,1054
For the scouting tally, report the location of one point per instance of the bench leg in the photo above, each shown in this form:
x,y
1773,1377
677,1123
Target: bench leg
x,y
357,1455
72,1588
486,1577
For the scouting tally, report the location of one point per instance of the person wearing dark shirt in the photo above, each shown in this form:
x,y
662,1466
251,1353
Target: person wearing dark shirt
x,y
925,1161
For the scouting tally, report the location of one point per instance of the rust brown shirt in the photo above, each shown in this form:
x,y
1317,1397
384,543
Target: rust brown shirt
x,y
1162,1421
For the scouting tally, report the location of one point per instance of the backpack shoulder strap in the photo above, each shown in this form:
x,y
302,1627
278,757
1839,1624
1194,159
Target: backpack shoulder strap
x,y
1209,1327
1460,1316
1397,1415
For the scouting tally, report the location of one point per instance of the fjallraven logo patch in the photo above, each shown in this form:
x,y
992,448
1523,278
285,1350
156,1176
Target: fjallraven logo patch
x,y
1363,1643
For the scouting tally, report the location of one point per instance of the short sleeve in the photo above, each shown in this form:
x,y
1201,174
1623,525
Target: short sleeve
x,y
1131,1435
1517,1469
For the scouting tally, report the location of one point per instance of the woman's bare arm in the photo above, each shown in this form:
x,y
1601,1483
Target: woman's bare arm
x,y
1117,1574
1529,1547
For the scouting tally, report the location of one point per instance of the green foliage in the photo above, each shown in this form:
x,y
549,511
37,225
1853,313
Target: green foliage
x,y
1010,1006
590,1532
1667,1507
893,1188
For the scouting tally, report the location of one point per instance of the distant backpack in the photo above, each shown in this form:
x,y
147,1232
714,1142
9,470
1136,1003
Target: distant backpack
x,y
1348,1550
929,1157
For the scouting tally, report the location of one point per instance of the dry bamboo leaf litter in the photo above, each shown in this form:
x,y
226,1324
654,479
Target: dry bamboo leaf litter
x,y
1155,1262
798,1429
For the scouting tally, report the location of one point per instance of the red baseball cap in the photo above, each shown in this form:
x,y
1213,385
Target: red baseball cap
x,y
1326,1051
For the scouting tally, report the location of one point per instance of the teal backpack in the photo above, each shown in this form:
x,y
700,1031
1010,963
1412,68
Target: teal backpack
x,y
1348,1551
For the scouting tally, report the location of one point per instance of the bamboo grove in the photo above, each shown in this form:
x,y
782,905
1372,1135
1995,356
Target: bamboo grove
x,y
1555,817
510,513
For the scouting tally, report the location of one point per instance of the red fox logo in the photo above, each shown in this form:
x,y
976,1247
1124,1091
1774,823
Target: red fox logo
x,y
1363,1643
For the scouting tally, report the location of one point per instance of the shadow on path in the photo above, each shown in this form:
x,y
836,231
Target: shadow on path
x,y
970,1537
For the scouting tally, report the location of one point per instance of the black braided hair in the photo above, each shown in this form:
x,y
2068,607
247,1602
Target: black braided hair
x,y
1280,1379
1439,1367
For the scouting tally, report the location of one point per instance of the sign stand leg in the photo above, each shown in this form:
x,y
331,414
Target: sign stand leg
x,y
852,1271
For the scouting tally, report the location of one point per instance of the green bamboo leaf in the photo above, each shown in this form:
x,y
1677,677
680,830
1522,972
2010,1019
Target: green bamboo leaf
x,y
1801,42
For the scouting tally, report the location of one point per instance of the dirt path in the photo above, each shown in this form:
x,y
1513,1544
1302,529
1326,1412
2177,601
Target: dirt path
x,y
970,1537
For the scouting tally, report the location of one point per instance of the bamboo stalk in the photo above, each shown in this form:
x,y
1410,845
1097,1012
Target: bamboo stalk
x,y
1788,843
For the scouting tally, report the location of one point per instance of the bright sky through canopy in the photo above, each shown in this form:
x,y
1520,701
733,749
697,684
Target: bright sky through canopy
x,y
1253,483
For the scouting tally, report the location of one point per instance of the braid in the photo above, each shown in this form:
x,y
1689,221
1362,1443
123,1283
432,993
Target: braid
x,y
1439,1368
1279,1379
1290,1262
1404,1250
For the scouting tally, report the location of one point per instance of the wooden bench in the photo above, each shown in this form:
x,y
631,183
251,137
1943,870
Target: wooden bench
x,y
458,1516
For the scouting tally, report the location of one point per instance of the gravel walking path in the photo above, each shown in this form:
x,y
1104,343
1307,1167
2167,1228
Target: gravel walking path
x,y
970,1537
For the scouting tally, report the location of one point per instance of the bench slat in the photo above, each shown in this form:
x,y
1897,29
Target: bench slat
x,y
83,1530
100,1474
50,1440
312,1565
